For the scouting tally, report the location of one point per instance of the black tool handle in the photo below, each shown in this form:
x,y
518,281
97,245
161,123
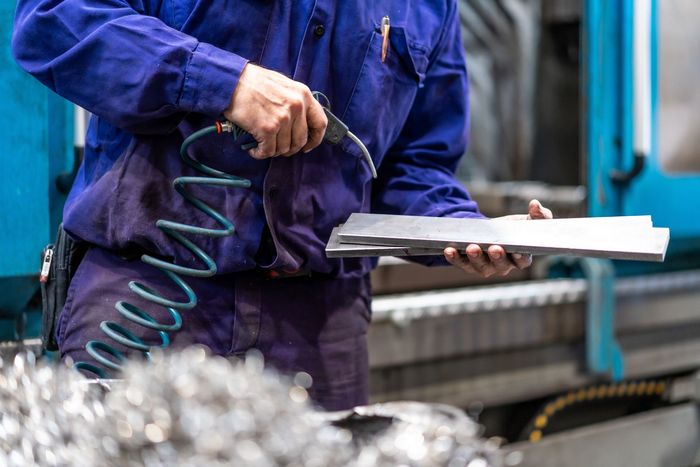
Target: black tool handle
x,y
335,132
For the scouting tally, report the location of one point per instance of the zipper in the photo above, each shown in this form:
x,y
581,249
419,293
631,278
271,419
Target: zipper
x,y
46,264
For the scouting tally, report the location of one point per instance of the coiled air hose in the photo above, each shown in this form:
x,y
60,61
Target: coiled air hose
x,y
107,355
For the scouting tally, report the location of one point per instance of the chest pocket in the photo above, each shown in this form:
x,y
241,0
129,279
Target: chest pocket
x,y
384,92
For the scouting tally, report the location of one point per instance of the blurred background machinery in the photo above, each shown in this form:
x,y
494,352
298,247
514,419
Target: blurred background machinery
x,y
568,97
587,105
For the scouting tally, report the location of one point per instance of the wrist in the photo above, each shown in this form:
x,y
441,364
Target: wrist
x,y
235,100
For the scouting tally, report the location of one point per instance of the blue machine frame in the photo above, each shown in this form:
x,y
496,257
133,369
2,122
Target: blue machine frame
x,y
608,97
36,136
608,100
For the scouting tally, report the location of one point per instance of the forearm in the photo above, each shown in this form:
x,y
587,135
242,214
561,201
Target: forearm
x,y
121,64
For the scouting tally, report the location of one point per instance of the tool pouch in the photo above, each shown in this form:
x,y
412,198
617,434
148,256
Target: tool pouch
x,y
60,260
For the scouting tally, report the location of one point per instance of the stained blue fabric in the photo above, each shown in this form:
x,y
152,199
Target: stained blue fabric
x,y
154,71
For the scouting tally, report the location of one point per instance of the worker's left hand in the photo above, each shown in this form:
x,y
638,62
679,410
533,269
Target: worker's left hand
x,y
496,261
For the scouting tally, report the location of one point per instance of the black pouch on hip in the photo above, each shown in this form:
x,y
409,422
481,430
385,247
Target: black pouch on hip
x,y
59,261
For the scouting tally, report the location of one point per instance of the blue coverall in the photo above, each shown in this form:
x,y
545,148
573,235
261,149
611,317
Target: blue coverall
x,y
154,71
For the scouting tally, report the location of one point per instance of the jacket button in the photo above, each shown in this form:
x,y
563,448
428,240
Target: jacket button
x,y
319,30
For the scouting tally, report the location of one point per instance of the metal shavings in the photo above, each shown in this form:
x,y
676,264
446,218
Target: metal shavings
x,y
191,409
427,435
46,415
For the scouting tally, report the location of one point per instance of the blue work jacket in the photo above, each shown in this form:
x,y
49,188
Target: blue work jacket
x,y
154,71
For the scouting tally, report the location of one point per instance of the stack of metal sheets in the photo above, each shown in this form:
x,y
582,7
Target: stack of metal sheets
x,y
624,237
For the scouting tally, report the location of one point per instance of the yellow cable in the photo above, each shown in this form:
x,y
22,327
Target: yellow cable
x,y
632,388
541,421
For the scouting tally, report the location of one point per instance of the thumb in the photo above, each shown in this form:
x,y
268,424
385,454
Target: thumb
x,y
537,211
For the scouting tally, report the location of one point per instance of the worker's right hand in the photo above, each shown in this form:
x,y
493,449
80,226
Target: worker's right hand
x,y
280,113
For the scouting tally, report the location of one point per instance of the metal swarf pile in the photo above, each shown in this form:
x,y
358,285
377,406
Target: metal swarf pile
x,y
47,415
417,434
191,409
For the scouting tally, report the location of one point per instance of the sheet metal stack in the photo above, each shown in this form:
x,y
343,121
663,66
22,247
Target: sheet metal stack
x,y
624,237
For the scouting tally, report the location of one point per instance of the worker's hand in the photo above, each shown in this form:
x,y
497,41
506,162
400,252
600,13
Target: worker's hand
x,y
281,114
496,260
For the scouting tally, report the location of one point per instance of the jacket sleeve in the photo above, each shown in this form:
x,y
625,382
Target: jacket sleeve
x,y
129,68
417,175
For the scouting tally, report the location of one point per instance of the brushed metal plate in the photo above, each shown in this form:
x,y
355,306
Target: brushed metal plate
x,y
335,249
625,237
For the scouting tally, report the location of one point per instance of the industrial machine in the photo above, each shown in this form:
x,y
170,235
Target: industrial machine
x,y
553,358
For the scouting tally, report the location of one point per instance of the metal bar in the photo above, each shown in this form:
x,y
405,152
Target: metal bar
x,y
621,238
335,249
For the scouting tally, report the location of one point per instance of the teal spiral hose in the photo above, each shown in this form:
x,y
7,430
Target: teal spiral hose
x,y
106,354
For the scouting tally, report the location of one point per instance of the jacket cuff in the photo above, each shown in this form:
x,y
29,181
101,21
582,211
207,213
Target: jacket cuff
x,y
210,79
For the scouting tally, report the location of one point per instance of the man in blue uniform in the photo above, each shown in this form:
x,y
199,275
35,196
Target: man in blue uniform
x,y
154,71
